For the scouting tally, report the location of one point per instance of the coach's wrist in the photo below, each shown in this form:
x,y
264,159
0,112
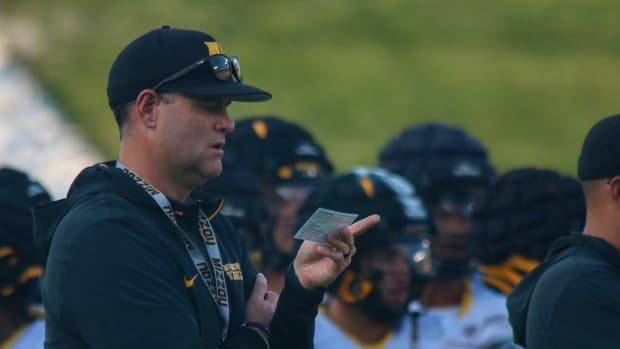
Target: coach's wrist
x,y
259,328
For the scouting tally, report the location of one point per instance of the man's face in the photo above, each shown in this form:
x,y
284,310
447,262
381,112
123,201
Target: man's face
x,y
192,134
393,264
453,227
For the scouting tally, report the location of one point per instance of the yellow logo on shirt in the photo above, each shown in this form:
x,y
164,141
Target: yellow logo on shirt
x,y
190,282
233,270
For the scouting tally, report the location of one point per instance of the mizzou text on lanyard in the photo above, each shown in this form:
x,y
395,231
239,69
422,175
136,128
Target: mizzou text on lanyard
x,y
211,272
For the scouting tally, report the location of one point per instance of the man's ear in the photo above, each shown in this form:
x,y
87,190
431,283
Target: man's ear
x,y
614,186
145,105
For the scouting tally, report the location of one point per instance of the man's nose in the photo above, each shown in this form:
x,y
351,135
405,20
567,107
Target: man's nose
x,y
225,124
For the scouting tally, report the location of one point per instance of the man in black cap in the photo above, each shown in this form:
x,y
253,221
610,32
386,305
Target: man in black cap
x,y
134,261
572,299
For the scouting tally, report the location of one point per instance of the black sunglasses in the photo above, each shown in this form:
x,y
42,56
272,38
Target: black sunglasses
x,y
222,65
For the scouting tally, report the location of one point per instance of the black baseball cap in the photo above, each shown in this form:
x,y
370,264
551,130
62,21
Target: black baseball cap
x,y
600,153
162,52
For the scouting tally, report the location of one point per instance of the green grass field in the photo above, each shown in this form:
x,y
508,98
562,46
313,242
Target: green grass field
x,y
528,78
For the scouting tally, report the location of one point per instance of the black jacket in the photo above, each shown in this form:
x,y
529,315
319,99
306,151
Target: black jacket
x,y
572,300
118,275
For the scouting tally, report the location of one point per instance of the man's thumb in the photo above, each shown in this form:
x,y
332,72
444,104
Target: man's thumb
x,y
260,287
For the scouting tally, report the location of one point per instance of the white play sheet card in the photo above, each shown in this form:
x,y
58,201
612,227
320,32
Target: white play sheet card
x,y
324,221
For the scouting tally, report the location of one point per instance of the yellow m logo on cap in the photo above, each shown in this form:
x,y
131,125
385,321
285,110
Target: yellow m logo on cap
x,y
368,186
214,47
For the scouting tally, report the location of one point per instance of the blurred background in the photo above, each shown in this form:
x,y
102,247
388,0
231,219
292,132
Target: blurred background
x,y
528,78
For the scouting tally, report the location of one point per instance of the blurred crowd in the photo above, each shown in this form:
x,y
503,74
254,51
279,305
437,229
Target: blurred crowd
x,y
455,236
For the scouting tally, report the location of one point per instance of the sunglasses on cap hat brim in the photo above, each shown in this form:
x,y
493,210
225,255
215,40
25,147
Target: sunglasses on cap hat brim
x,y
227,70
223,68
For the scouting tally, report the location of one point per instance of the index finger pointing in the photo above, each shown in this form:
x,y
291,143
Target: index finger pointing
x,y
362,225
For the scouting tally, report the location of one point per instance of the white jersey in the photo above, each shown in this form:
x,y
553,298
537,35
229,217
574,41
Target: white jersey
x,y
32,337
327,335
484,325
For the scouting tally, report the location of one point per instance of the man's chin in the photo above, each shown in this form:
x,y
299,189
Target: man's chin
x,y
205,176
214,172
